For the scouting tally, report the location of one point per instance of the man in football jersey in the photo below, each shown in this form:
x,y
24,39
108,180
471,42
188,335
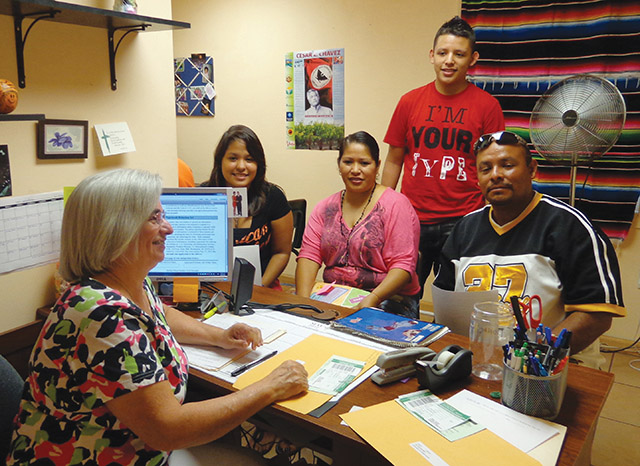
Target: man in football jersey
x,y
430,139
524,243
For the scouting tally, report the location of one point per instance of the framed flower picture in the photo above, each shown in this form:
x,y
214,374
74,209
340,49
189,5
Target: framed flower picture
x,y
62,139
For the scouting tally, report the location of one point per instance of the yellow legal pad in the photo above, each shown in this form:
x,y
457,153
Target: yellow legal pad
x,y
314,351
391,430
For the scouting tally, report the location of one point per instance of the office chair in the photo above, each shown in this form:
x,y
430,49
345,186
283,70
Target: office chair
x,y
11,385
299,211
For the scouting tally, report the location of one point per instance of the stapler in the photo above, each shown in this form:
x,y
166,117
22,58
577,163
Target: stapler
x,y
398,364
450,364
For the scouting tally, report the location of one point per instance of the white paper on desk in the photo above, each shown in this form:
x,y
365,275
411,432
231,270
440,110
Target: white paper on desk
x,y
453,308
296,328
211,359
353,408
299,328
522,431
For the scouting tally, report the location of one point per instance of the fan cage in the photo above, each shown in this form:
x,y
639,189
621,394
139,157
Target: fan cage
x,y
577,120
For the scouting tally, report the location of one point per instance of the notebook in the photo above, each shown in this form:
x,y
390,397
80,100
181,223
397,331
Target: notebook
x,y
390,329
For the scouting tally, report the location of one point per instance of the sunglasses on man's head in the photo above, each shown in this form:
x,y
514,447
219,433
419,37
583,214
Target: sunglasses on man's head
x,y
502,138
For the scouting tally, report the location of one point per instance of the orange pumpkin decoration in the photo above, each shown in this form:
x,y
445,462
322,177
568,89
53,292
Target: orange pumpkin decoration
x,y
8,96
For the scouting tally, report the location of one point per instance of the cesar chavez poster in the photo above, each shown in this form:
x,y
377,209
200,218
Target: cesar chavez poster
x,y
315,99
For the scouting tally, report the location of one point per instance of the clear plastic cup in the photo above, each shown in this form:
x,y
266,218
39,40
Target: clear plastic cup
x,y
490,328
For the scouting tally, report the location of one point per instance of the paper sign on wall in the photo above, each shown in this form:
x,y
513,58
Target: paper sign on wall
x,y
115,138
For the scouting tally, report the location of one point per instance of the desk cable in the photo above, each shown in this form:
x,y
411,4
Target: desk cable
x,y
317,314
633,362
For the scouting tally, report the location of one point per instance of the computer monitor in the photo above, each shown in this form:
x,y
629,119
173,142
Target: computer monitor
x,y
202,241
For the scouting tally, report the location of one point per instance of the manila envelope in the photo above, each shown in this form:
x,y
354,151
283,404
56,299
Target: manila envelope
x,y
391,430
313,352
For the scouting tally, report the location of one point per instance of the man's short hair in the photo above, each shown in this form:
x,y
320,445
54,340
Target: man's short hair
x,y
457,26
502,138
102,216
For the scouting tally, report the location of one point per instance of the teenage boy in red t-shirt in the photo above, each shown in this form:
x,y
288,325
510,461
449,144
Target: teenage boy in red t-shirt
x,y
431,135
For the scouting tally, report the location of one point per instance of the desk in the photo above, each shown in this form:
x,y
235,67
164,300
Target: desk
x,y
587,390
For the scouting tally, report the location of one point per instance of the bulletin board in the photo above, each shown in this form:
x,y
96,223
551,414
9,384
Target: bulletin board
x,y
195,91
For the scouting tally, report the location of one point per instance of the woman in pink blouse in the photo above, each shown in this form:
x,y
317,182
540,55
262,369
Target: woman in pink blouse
x,y
366,235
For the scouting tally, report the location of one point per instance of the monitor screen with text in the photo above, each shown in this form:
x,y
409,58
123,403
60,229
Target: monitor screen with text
x,y
202,241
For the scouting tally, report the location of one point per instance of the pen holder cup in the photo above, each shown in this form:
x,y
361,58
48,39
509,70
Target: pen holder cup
x,y
534,395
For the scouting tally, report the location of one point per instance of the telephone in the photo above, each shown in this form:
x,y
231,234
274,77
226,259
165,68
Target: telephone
x,y
398,364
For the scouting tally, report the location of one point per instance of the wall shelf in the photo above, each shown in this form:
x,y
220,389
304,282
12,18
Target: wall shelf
x,y
60,12
23,117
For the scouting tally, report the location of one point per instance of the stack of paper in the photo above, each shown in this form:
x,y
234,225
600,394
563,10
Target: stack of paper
x,y
507,438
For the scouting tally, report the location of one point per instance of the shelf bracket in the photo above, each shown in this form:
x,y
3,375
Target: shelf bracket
x,y
22,40
113,47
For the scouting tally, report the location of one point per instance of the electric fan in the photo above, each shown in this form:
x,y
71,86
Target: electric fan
x,y
576,121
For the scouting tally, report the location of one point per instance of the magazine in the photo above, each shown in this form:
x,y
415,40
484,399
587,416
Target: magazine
x,y
390,329
340,295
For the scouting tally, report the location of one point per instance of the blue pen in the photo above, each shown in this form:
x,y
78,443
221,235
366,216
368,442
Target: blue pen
x,y
535,366
560,338
547,334
540,369
532,367
543,371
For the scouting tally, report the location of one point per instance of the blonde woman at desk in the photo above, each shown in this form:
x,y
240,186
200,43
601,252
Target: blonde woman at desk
x,y
108,375
366,235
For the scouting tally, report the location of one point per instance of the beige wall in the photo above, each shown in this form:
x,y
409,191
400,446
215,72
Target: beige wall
x,y
386,54
248,40
386,45
67,76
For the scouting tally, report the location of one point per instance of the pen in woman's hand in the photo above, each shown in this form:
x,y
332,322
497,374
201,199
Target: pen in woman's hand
x,y
246,367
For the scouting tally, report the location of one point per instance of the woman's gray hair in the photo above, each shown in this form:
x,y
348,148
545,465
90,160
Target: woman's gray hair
x,y
102,217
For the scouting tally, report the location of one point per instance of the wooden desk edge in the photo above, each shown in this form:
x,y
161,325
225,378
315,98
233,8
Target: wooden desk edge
x,y
586,387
